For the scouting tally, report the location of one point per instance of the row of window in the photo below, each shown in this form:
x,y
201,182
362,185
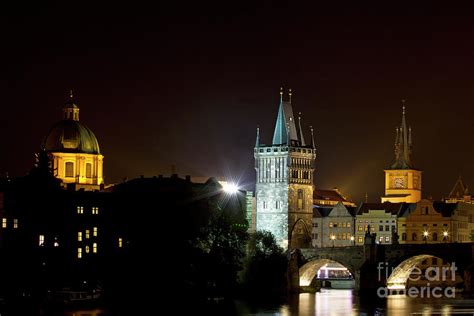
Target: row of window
x,y
363,228
343,224
371,222
424,225
86,250
5,223
343,236
41,241
285,149
95,210
425,236
69,168
87,234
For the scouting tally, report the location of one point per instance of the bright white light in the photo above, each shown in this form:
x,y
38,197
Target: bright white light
x,y
230,188
425,233
445,234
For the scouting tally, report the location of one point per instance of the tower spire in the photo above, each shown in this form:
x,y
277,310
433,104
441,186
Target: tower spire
x,y
285,127
300,131
257,140
312,137
403,144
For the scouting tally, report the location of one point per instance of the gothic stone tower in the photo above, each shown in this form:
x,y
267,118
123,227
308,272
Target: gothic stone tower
x,y
284,185
402,180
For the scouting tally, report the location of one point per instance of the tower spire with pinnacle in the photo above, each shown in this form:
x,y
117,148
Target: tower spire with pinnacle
x,y
313,145
403,144
257,140
300,131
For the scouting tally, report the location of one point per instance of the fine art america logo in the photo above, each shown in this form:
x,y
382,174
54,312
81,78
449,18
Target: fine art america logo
x,y
434,281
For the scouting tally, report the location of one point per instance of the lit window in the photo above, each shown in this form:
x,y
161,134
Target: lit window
x,y
15,223
88,170
69,169
79,253
120,242
41,240
87,234
94,247
331,224
387,238
359,239
348,225
87,249
79,236
4,223
80,210
95,210
94,233
56,244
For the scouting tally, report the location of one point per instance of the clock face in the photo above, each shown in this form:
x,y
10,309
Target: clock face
x,y
399,183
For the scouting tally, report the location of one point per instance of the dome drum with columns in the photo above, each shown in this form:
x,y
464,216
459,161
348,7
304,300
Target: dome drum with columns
x,y
74,151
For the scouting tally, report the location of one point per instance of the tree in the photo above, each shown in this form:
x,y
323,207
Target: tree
x,y
266,263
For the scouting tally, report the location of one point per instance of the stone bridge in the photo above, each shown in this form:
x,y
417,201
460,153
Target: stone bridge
x,y
372,264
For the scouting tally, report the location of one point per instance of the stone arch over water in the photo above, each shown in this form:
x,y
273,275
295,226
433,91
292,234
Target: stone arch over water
x,y
399,277
309,271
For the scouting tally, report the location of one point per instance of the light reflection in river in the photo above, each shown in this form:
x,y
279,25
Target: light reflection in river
x,y
344,302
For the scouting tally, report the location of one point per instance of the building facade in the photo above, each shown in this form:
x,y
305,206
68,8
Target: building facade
x,y
333,227
284,182
378,218
402,180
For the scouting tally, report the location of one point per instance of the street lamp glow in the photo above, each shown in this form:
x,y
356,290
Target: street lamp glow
x,y
445,234
425,233
333,237
230,188
352,238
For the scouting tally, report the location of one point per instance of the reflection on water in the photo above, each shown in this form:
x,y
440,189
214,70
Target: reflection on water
x,y
344,302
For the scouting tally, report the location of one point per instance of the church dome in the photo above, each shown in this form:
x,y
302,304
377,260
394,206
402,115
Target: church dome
x,y
70,136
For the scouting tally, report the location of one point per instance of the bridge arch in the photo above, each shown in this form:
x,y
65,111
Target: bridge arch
x,y
400,275
308,272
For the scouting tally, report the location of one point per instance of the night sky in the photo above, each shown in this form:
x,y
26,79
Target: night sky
x,y
187,84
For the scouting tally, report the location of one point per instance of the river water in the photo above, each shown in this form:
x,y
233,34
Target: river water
x,y
344,302
329,302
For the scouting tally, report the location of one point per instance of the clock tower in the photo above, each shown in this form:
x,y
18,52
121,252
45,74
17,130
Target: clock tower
x,y
402,180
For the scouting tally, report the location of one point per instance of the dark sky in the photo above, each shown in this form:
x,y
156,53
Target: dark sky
x,y
186,84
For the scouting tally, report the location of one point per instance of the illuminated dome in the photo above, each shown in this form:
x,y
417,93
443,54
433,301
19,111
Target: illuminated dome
x,y
70,136
74,151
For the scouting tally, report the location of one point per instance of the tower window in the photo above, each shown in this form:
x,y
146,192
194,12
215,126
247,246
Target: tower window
x,y
88,170
94,247
95,210
79,236
120,242
15,223
41,240
94,233
87,234
87,249
69,169
79,253
80,210
300,201
4,223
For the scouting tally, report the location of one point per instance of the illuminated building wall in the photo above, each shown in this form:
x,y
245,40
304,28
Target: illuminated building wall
x,y
436,222
382,218
333,227
284,184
